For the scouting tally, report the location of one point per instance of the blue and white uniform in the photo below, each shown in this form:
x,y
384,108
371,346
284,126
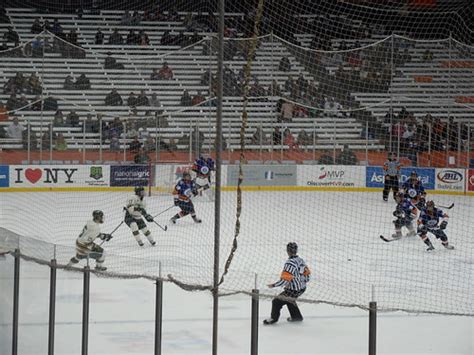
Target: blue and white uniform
x,y
183,191
203,166
433,220
406,212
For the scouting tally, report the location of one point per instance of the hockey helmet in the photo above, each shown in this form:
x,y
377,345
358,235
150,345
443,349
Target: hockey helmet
x,y
139,191
430,206
186,175
412,193
399,196
292,248
98,216
413,175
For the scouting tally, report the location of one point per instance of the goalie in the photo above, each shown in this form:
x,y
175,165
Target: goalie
x,y
135,211
85,246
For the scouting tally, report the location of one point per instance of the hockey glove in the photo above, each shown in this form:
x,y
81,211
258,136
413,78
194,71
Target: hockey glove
x,y
443,225
195,192
398,213
105,236
149,217
422,230
176,202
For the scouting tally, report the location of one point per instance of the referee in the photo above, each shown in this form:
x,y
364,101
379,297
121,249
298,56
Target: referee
x,y
293,278
392,175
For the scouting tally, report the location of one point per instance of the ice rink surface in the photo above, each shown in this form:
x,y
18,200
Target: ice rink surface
x,y
337,234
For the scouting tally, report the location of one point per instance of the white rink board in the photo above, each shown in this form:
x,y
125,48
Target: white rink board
x,y
331,176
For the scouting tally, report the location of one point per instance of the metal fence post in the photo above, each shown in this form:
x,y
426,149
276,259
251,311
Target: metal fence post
x,y
52,306
16,299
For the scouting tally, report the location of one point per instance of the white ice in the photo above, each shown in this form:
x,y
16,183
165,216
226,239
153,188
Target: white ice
x,y
337,234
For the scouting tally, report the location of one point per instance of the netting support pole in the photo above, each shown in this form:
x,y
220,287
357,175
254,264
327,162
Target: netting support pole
x,y
52,306
372,327
391,98
83,141
158,316
29,140
100,139
450,97
217,202
85,310
367,142
16,299
254,327
468,150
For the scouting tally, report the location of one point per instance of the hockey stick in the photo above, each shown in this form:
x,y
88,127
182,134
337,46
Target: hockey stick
x,y
447,207
115,229
163,211
388,240
165,228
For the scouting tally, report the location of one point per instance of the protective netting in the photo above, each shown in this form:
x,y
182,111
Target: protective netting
x,y
338,84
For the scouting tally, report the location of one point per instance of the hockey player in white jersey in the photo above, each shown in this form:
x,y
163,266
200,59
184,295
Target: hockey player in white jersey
x,y
135,211
85,246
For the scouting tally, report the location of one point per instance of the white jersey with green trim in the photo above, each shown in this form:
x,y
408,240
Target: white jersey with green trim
x,y
135,206
90,232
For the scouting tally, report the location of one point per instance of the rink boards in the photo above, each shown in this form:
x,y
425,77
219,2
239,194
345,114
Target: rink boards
x,y
162,177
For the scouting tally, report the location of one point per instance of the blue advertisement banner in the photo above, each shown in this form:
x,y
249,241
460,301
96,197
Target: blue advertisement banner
x,y
4,176
375,176
129,175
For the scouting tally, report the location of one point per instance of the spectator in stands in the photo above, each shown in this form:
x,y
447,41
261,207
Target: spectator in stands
x,y
72,37
22,102
37,48
289,84
99,37
346,157
149,145
197,99
3,113
303,138
257,90
289,139
259,137
56,28
116,127
34,85
28,139
115,38
143,39
165,72
126,19
113,98
287,108
132,100
111,62
326,158
284,64
12,103
136,18
132,130
61,144
36,104
427,56
274,89
134,145
83,83
47,27
47,139
276,136
15,129
162,121
132,38
154,101
155,75
91,125
69,83
72,119
141,157
50,104
166,39
186,99
142,99
172,146
114,143
58,120
36,27
11,36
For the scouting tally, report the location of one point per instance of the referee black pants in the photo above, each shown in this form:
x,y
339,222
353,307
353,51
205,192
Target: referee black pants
x,y
391,182
289,300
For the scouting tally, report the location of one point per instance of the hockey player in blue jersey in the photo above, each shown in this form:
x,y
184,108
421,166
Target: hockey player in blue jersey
x,y
183,191
406,213
203,167
434,221
413,189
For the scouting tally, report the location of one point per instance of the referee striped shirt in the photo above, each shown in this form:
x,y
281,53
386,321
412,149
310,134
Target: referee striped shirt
x,y
392,168
295,274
